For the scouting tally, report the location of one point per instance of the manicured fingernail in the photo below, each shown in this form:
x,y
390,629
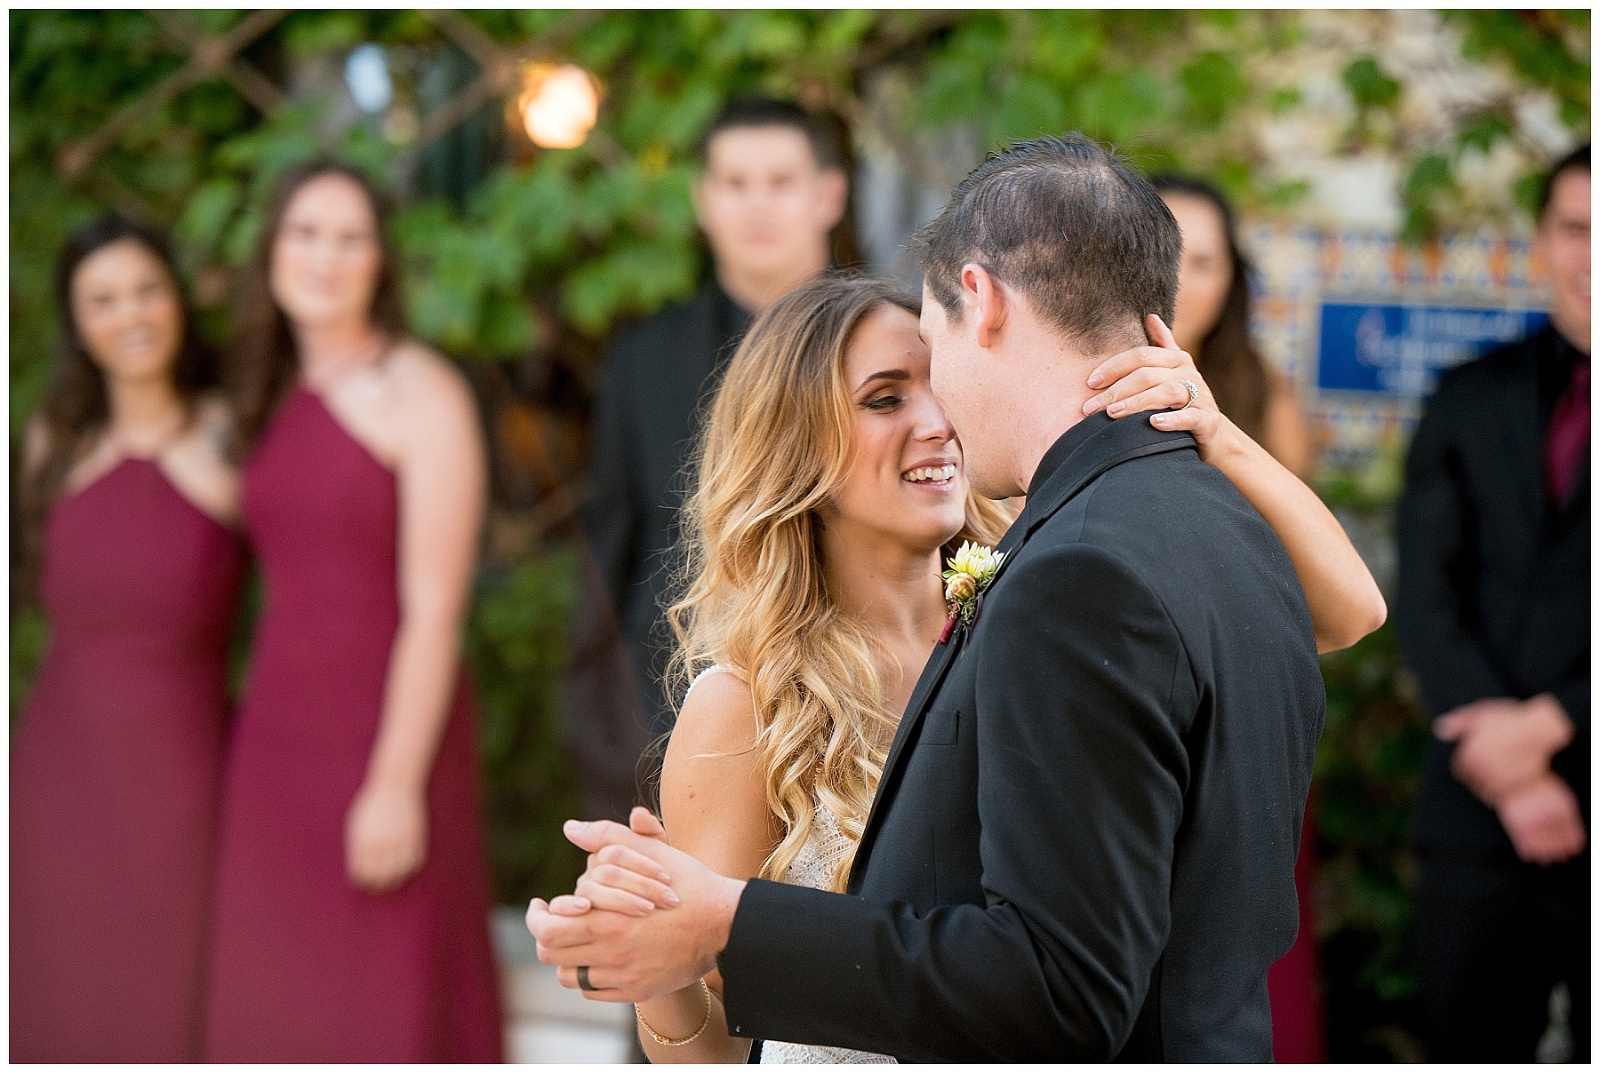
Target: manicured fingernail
x,y
1115,409
1160,420
582,903
643,906
670,898
1096,380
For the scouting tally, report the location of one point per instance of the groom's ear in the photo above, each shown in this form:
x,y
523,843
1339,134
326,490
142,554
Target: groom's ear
x,y
985,302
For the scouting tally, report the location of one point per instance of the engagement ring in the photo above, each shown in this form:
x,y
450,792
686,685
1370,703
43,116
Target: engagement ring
x,y
1194,393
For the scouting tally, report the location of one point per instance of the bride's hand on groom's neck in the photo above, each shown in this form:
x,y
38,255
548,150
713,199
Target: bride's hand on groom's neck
x,y
1156,378
620,922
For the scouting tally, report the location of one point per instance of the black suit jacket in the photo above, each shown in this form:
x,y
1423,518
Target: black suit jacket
x,y
1494,580
657,377
1084,839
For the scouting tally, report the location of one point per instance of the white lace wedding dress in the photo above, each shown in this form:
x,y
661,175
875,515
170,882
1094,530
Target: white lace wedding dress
x,y
812,867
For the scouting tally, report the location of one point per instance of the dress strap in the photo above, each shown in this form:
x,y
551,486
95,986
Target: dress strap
x,y
708,670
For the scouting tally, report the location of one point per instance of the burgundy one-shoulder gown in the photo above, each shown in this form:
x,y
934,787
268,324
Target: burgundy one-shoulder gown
x,y
306,967
114,775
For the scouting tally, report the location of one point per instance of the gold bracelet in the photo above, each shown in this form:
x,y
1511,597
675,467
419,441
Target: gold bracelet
x,y
669,1042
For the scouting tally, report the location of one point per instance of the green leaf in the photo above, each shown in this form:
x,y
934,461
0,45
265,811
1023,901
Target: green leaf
x,y
205,218
954,89
1284,194
1029,108
1429,175
1482,131
1214,87
1368,84
1119,106
1280,101
1527,192
29,635
1066,46
444,311
1232,174
843,30
329,32
631,276
507,329
241,237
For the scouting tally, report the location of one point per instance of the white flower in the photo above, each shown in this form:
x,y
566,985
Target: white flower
x,y
977,561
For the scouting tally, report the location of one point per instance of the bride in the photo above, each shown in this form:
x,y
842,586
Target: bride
x,y
829,493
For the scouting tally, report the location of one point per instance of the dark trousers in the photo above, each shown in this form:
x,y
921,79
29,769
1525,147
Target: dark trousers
x,y
1496,934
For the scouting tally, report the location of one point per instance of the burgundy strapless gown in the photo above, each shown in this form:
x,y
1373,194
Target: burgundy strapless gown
x,y
306,967
114,775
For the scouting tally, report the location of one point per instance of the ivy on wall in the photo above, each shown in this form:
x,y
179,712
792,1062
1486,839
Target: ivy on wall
x,y
552,248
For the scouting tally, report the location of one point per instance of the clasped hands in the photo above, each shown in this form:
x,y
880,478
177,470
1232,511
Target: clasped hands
x,y
644,918
1503,753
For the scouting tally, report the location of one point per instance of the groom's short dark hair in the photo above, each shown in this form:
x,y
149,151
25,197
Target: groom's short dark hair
x,y
1072,226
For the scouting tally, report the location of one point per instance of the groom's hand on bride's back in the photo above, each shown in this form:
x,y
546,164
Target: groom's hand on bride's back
x,y
634,953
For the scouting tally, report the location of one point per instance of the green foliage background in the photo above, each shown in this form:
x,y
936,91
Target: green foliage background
x,y
550,249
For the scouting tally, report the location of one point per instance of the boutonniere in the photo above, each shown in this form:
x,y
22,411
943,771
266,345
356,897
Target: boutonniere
x,y
971,572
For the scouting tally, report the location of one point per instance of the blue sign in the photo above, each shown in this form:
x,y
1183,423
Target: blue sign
x,y
1401,349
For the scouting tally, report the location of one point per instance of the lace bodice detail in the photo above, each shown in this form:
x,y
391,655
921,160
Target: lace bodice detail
x,y
812,867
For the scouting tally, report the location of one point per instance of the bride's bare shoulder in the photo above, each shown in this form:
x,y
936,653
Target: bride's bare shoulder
x,y
718,715
713,781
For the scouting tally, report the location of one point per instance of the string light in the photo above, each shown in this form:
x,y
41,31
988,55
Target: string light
x,y
366,72
558,104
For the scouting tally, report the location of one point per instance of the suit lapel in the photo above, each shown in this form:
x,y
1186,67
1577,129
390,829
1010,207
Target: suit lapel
x,y
933,673
1082,454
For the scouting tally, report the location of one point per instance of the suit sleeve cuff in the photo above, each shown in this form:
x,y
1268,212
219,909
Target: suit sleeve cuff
x,y
1573,697
797,930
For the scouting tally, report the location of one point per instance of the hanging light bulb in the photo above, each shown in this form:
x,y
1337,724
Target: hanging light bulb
x,y
366,72
558,104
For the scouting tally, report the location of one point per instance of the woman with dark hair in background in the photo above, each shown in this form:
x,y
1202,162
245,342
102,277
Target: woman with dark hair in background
x,y
352,898
127,514
1212,322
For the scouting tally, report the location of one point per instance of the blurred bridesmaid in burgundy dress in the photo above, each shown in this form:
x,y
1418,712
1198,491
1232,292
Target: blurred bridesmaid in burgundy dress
x,y
127,508
1213,324
352,902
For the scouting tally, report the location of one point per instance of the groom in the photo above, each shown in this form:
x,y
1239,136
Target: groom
x,y
1083,841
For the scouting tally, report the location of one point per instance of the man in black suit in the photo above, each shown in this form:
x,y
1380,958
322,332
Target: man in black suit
x,y
1083,842
1493,616
771,191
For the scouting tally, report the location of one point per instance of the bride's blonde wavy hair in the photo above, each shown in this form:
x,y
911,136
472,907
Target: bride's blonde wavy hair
x,y
755,596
